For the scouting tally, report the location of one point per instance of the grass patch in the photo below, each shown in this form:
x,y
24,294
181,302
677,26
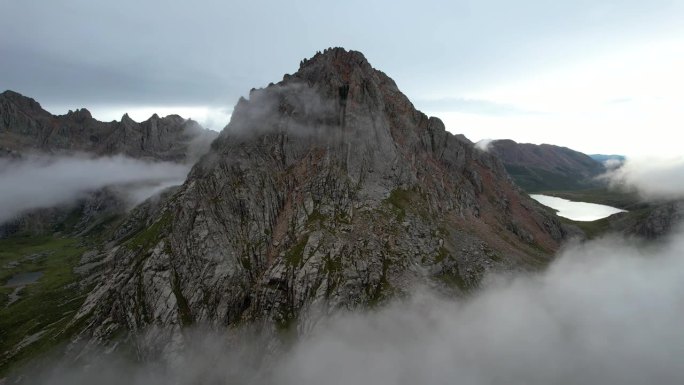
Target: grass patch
x,y
441,254
295,255
184,311
383,289
45,306
400,199
147,237
316,216
591,229
332,265
454,280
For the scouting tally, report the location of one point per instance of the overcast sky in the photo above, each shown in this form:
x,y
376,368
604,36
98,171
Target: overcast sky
x,y
594,75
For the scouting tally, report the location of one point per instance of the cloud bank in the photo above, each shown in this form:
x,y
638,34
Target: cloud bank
x,y
42,182
605,312
653,178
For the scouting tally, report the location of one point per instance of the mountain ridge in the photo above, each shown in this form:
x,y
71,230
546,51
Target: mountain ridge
x,y
27,127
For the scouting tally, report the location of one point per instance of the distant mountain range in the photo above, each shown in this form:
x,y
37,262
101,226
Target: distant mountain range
x,y
25,127
547,167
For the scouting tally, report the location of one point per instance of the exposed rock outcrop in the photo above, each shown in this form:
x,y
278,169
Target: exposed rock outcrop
x,y
654,221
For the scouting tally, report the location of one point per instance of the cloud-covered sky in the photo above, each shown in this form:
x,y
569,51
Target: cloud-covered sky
x,y
592,75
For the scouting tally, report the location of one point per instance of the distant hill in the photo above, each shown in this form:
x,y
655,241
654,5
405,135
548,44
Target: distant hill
x,y
547,167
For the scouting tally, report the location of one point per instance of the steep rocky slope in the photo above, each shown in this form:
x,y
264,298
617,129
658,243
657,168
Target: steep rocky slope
x,y
327,190
653,220
26,127
547,167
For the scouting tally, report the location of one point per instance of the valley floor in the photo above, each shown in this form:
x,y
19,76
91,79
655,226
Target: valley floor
x,y
33,315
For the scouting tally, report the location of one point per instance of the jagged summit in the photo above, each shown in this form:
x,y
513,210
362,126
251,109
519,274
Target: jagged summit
x,y
337,60
335,53
339,101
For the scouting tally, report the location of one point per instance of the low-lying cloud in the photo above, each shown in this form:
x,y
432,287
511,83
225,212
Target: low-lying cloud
x,y
605,312
484,144
653,178
43,182
608,312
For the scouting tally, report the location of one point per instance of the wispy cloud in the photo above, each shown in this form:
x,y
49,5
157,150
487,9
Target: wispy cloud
x,y
483,144
41,182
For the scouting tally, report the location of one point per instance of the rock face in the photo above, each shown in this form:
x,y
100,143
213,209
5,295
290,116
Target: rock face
x,y
547,167
327,190
26,127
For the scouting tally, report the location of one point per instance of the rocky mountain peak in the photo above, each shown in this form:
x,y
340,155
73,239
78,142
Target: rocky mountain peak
x,y
338,102
327,189
126,119
80,115
11,101
346,75
334,61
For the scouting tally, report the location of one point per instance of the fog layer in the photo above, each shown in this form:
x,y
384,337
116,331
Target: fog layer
x,y
608,312
605,312
41,182
653,178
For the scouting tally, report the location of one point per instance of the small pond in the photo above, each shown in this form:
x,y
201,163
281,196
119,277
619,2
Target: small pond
x,y
23,279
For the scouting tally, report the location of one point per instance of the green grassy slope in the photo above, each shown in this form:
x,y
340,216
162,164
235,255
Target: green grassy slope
x,y
34,323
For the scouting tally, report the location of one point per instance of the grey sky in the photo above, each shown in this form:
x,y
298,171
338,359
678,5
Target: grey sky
x,y
114,55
